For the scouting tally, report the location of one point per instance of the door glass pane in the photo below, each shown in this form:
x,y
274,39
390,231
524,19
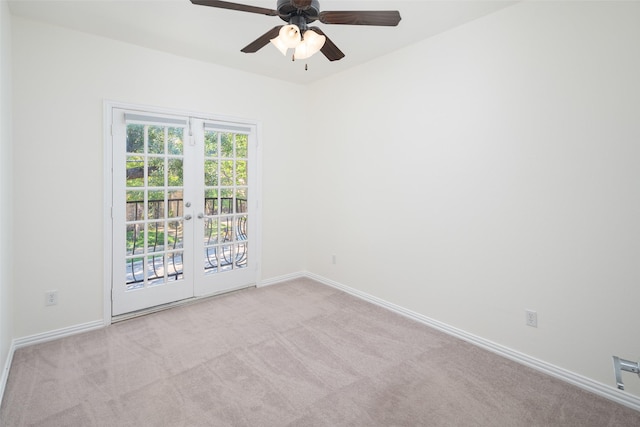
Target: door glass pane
x,y
135,205
135,138
175,177
175,143
157,138
174,202
226,172
241,172
242,144
174,265
226,145
226,257
226,229
240,255
134,273
226,204
241,200
155,172
241,228
211,228
211,172
135,239
175,235
155,205
135,171
211,144
211,202
211,260
155,237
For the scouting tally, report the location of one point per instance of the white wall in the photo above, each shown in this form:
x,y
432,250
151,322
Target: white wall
x,y
6,298
60,79
492,169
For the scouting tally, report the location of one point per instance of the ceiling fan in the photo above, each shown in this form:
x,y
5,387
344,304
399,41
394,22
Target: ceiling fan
x,y
297,34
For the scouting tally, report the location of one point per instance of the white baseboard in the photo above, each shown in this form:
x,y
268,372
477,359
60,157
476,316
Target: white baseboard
x,y
56,334
603,390
279,279
5,370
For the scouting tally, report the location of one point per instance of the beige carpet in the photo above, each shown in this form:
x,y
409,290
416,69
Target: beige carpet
x,y
293,354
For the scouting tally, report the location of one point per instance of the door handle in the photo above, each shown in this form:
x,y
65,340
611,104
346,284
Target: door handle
x,y
200,215
188,217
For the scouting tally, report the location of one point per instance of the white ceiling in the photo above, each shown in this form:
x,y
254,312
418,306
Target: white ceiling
x,y
217,35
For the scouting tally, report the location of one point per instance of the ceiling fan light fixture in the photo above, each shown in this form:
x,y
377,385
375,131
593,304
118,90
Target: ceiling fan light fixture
x,y
288,38
311,43
277,42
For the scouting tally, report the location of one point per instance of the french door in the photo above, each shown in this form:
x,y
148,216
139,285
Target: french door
x,y
183,209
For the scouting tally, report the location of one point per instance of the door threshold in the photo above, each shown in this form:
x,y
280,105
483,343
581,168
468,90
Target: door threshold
x,y
162,307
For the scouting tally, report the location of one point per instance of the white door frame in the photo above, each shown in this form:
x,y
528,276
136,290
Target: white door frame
x,y
108,107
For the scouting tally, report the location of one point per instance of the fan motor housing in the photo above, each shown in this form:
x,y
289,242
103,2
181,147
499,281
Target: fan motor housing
x,y
288,9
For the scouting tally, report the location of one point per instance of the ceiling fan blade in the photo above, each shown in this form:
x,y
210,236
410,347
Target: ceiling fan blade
x,y
386,18
262,41
329,49
236,6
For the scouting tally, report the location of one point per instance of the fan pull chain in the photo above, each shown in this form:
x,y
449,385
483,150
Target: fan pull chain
x,y
306,65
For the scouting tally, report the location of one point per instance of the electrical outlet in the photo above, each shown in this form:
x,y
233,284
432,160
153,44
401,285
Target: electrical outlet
x,y
333,259
531,318
51,298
